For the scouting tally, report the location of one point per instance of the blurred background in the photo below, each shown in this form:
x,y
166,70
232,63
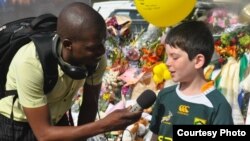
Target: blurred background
x,y
15,9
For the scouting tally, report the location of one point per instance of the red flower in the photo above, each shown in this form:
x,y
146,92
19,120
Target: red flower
x,y
218,42
221,60
233,41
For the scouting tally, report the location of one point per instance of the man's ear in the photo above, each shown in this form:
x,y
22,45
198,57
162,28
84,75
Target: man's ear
x,y
199,61
67,44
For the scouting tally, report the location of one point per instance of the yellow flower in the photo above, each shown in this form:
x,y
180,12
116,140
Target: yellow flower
x,y
167,75
106,96
157,79
161,73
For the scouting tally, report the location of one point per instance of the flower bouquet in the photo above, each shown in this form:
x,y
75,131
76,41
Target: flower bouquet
x,y
233,44
220,19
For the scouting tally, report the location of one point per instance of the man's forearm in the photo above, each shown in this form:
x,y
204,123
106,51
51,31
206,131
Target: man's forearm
x,y
87,114
89,106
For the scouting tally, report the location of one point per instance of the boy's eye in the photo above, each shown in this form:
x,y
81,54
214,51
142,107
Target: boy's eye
x,y
174,57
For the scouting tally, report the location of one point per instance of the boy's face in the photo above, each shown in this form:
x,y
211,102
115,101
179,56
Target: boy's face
x,y
179,65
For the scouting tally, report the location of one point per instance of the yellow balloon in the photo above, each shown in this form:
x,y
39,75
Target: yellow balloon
x,y
163,13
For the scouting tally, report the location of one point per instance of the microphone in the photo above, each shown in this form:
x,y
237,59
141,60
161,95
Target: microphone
x,y
144,101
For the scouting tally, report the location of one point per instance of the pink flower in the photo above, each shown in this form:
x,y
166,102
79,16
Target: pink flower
x,y
221,23
233,20
125,90
210,20
133,54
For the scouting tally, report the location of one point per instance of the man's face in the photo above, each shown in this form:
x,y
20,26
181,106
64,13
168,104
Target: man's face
x,y
87,51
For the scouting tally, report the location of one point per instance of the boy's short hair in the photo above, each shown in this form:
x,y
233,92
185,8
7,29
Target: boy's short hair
x,y
193,37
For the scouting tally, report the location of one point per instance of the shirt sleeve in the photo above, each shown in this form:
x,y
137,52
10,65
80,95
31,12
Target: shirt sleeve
x,y
155,121
96,78
223,115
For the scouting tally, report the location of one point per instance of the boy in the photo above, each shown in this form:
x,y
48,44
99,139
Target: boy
x,y
193,101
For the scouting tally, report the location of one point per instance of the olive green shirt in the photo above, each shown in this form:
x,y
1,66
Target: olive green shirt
x,y
174,108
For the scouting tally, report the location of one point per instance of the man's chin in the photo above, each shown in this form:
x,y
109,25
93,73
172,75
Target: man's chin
x,y
95,61
92,63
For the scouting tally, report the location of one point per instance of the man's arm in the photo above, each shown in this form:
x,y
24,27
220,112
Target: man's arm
x,y
91,92
89,106
39,120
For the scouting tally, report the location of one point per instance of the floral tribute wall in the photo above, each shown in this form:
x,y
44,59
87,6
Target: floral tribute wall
x,y
230,70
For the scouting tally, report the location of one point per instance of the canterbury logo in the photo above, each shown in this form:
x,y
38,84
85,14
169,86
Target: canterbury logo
x,y
184,109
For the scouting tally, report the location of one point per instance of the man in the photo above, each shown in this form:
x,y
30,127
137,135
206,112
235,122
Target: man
x,y
81,32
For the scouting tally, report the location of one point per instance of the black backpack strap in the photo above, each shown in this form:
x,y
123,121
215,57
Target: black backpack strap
x,y
45,20
43,43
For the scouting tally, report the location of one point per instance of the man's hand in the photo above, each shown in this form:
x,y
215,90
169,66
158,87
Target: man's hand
x,y
121,118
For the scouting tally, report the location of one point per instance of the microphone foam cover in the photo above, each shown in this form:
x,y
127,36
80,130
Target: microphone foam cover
x,y
146,99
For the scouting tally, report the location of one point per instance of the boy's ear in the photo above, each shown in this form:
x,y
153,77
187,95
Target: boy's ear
x,y
199,61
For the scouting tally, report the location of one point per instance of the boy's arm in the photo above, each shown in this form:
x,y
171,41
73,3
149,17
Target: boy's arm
x,y
223,115
154,137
